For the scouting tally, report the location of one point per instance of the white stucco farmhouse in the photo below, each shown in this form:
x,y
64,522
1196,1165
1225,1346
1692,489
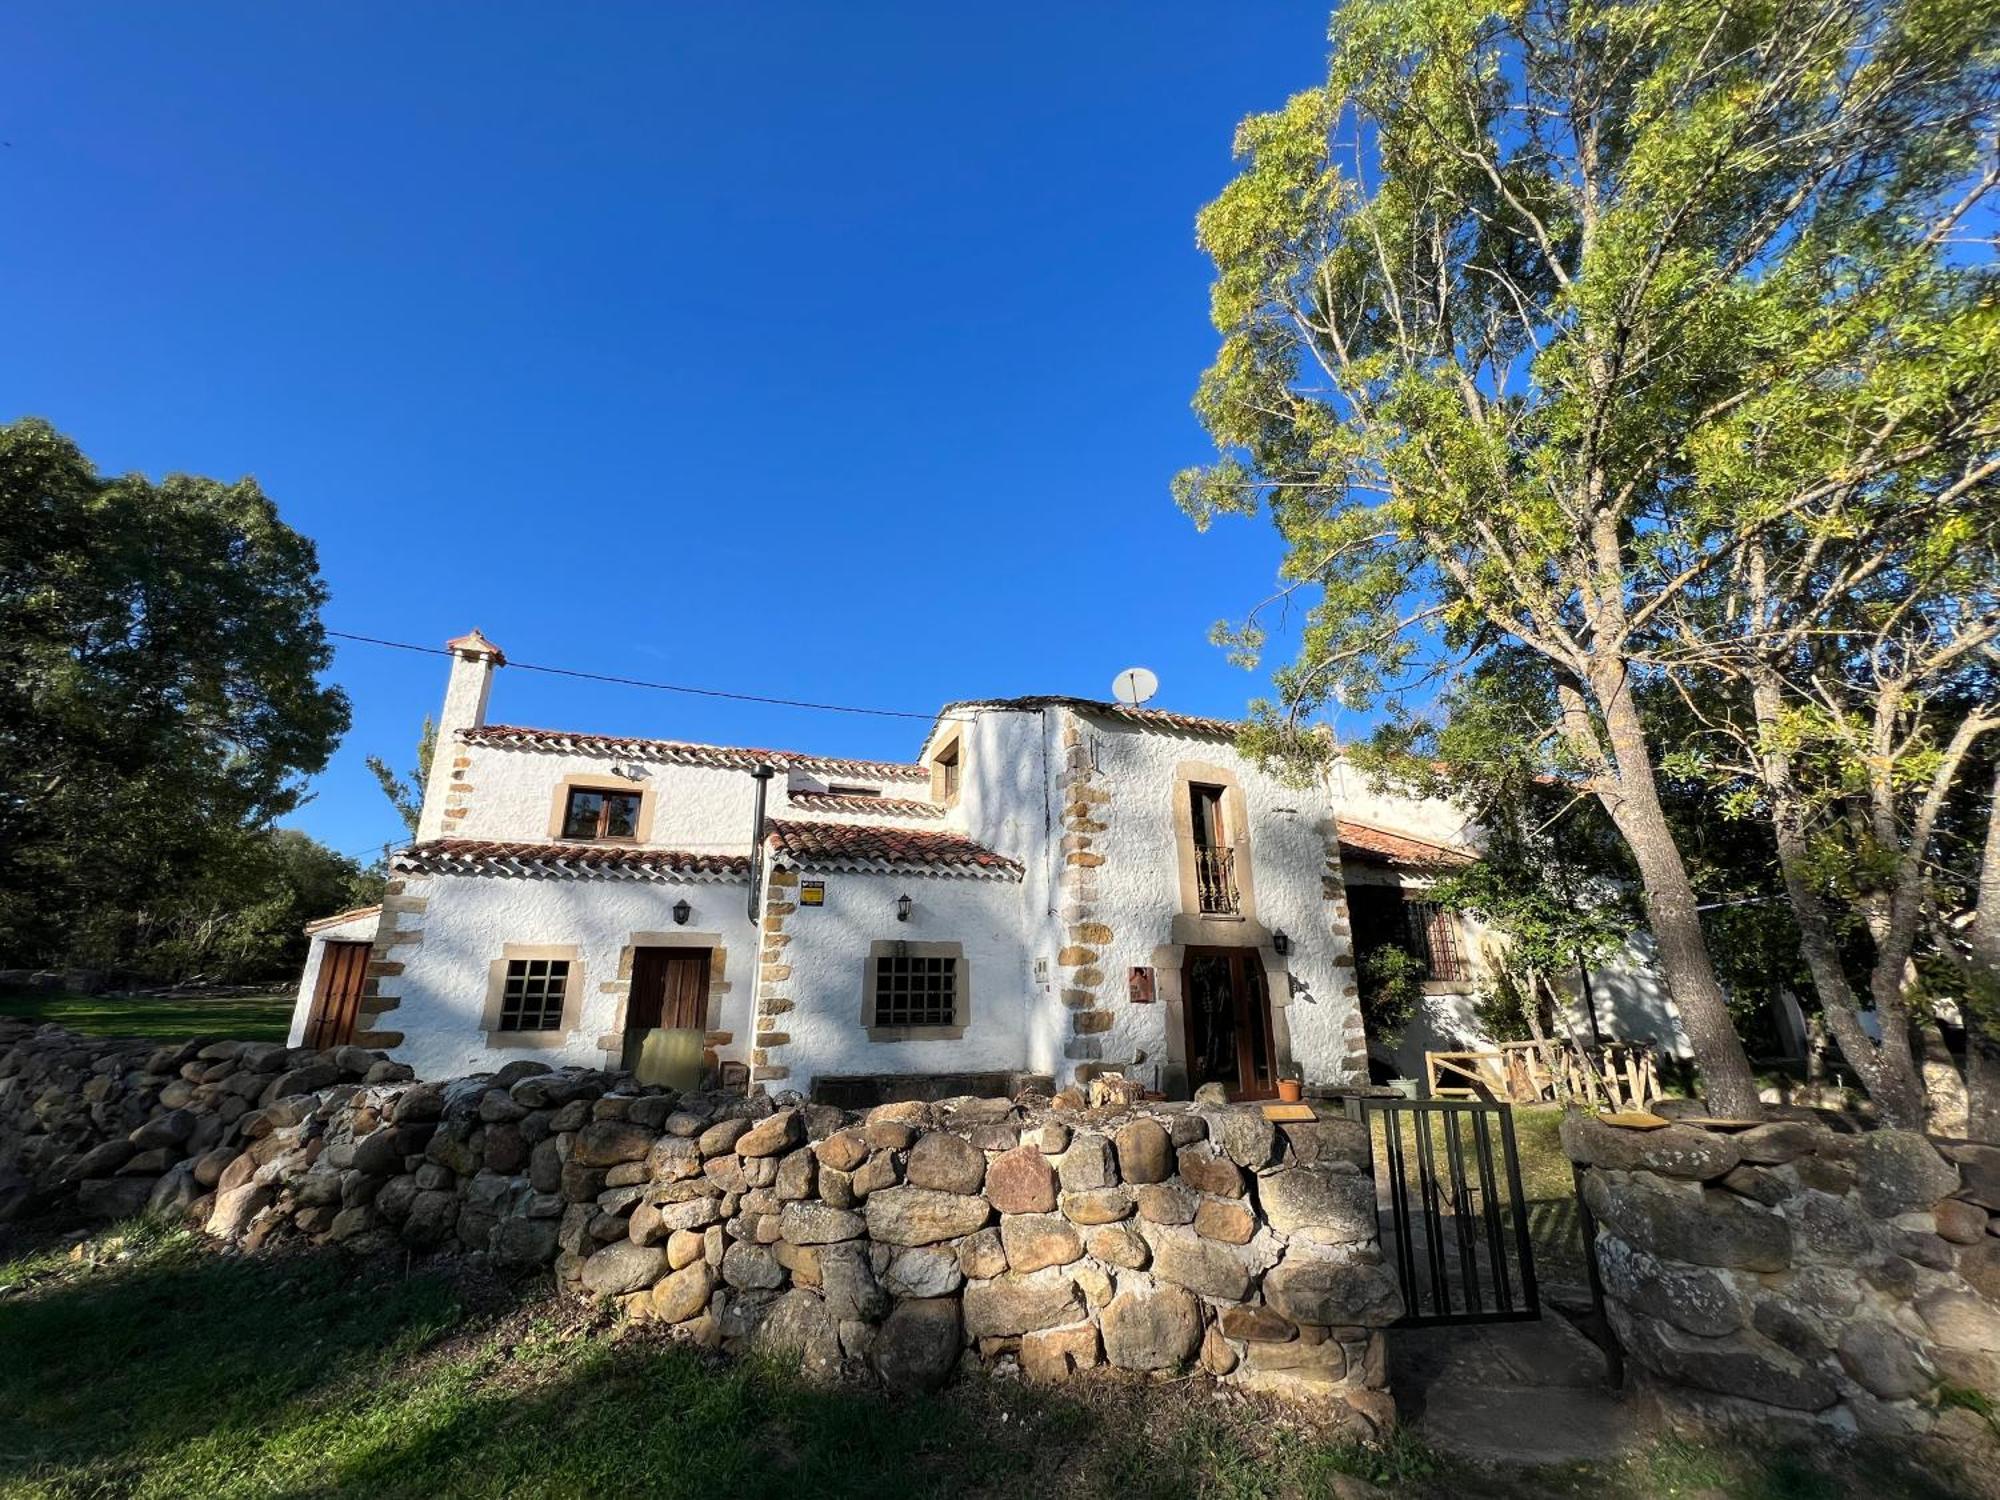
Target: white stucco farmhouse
x,y
1054,887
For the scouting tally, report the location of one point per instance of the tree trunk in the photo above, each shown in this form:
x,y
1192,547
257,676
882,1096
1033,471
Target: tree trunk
x,y
1887,1071
1634,806
1982,986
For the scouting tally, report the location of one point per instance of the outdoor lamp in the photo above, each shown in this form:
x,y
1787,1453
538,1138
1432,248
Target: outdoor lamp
x,y
903,908
1281,943
682,911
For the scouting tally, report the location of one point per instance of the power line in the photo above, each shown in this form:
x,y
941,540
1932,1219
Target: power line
x,y
661,687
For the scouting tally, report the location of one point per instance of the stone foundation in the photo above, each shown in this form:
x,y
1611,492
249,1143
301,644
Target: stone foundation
x,y
907,1243
1793,1271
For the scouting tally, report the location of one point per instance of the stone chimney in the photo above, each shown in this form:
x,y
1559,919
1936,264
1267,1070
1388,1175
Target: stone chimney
x,y
473,659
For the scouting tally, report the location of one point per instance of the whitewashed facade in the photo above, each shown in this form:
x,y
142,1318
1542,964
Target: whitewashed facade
x,y
1054,887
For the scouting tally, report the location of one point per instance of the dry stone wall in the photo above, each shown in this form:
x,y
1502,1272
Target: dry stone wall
x,y
1795,1270
908,1242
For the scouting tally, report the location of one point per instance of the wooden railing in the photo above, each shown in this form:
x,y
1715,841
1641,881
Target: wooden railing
x,y
1611,1075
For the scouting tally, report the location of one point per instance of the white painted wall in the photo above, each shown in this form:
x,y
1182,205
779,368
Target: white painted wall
x,y
828,955
468,921
359,929
699,808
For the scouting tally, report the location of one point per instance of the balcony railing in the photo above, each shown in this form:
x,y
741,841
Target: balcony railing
x,y
1215,881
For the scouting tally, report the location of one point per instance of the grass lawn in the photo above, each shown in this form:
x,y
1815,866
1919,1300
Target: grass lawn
x,y
242,1018
147,1364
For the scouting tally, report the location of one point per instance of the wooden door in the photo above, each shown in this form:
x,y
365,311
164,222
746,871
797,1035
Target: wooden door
x,y
1227,1014
669,988
343,968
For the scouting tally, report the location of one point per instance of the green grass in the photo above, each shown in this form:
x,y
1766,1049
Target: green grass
x,y
243,1018
146,1364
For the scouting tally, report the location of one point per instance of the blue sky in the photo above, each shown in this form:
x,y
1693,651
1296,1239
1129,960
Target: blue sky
x,y
830,352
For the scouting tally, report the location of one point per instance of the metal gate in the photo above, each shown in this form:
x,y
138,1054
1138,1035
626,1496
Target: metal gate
x,y
1454,1219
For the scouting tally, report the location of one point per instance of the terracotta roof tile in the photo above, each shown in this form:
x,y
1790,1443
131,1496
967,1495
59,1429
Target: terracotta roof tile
x,y
619,861
1145,718
887,807
874,845
353,914
685,752
1385,846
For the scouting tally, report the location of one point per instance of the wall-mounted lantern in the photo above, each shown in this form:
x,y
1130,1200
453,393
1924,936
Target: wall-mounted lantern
x,y
1281,943
902,908
682,911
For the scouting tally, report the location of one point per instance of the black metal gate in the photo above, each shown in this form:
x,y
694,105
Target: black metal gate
x,y
1454,1219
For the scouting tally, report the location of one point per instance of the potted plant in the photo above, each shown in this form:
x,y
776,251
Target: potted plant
x,y
1291,1084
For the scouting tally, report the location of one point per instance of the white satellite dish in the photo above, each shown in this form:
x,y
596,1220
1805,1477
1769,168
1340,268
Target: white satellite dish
x,y
1134,686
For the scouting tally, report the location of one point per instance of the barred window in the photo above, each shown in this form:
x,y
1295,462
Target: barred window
x,y
1434,938
914,991
531,998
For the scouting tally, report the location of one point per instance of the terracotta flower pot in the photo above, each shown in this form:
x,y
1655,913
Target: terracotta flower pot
x,y
1290,1090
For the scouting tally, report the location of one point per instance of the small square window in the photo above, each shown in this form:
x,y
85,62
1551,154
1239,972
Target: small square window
x,y
593,814
531,996
915,991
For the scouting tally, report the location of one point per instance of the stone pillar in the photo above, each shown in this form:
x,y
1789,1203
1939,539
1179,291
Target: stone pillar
x,y
473,659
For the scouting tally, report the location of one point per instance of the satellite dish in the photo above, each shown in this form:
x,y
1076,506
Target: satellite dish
x,y
1134,686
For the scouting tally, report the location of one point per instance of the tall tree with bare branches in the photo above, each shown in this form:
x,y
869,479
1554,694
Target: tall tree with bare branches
x,y
1498,301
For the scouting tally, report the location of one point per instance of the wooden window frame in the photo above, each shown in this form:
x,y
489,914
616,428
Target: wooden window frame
x,y
961,992
642,831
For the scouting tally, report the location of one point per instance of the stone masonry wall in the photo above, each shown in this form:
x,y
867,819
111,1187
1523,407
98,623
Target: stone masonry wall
x,y
906,1243
1793,1270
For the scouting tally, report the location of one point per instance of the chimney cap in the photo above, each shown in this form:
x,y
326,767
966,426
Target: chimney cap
x,y
472,643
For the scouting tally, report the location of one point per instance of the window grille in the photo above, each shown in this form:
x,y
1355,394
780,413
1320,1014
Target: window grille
x,y
1434,938
532,997
912,991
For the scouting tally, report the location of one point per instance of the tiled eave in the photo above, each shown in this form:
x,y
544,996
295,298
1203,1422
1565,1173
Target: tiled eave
x,y
1369,844
585,861
878,848
686,752
1163,719
341,918
881,807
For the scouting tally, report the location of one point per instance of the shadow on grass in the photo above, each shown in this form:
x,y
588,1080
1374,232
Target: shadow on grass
x,y
177,1371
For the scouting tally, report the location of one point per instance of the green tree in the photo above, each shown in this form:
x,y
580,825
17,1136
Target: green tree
x,y
1492,300
407,797
160,646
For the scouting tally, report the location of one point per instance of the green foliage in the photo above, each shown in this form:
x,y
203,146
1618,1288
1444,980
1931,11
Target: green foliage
x,y
1502,1010
407,797
1392,990
159,651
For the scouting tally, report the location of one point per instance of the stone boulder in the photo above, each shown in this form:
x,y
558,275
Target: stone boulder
x,y
1326,1291
1184,1258
607,1143
622,1268
1014,1304
1145,1151
1326,1205
1898,1171
1021,1182
922,1216
1151,1328
1698,1226
945,1164
1675,1151
918,1345
773,1135
1033,1241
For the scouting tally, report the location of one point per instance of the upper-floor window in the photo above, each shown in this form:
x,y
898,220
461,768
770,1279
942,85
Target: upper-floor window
x,y
1214,857
947,767
594,814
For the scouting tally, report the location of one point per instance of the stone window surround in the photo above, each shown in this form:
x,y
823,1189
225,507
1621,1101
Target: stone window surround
x,y
961,1001
496,987
1225,930
613,1039
950,744
586,781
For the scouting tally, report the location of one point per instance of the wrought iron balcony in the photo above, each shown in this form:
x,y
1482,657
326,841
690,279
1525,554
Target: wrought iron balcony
x,y
1215,880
